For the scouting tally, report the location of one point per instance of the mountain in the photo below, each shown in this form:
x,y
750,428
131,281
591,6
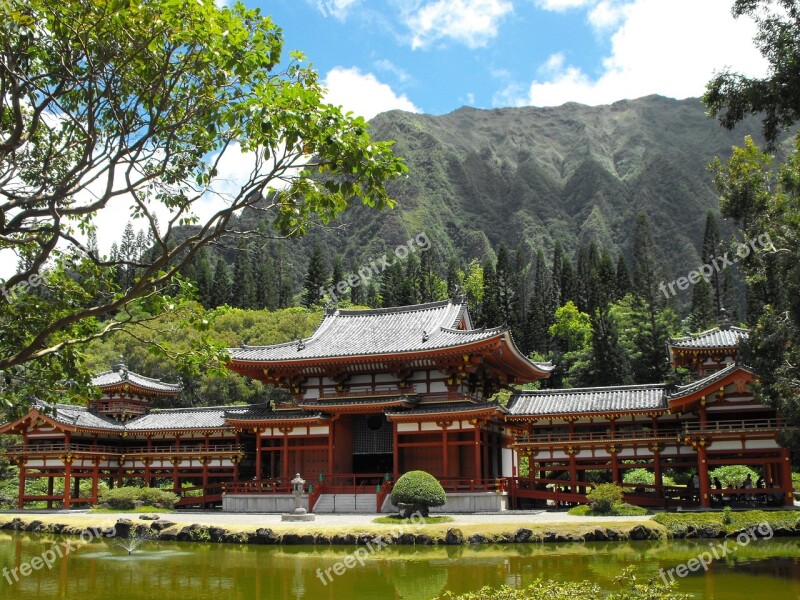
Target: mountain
x,y
533,175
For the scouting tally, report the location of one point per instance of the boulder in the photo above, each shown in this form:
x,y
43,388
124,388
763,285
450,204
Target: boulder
x,y
522,535
161,525
266,537
477,538
454,537
122,528
152,517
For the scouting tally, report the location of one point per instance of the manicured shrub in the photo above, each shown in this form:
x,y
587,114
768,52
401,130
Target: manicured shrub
x,y
603,497
417,491
796,482
129,498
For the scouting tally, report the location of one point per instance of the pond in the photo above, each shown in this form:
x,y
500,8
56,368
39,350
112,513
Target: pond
x,y
196,571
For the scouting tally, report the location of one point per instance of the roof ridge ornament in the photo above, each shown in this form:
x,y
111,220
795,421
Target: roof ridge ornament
x,y
724,322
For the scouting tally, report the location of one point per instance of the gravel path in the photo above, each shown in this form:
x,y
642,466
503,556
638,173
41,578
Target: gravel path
x,y
325,520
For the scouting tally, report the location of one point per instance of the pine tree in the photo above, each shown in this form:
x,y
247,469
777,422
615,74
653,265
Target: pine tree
x,y
220,291
337,276
490,314
623,284
505,285
609,363
605,281
568,291
409,293
556,276
316,277
392,285
454,279
243,290
523,286
702,314
204,278
283,278
709,251
263,269
431,286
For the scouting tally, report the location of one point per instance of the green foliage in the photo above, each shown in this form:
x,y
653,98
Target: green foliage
x,y
796,481
162,91
678,524
727,515
629,588
128,498
419,490
603,497
733,475
617,510
645,477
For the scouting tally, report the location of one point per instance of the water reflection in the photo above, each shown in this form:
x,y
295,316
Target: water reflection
x,y
198,571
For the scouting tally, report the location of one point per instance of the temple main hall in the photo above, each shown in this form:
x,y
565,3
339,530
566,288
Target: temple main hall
x,y
373,394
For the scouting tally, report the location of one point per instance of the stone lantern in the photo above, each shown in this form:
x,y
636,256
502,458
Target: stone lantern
x,y
299,513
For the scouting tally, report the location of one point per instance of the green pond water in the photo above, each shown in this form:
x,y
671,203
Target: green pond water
x,y
190,571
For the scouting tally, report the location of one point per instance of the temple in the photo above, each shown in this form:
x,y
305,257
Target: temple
x,y
376,393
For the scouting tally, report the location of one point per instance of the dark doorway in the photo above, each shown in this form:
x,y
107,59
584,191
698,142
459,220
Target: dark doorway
x,y
372,444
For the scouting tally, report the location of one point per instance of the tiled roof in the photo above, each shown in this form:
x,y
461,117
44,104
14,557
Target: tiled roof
x,y
445,407
366,401
211,417
713,338
121,375
261,412
374,332
76,416
589,400
686,390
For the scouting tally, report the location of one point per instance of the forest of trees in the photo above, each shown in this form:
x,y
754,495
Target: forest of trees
x,y
600,319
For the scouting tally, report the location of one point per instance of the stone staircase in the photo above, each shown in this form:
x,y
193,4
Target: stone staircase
x,y
346,503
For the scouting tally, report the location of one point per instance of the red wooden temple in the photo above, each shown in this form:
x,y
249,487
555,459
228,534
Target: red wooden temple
x,y
377,393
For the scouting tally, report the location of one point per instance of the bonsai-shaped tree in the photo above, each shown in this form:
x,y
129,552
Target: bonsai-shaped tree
x,y
417,491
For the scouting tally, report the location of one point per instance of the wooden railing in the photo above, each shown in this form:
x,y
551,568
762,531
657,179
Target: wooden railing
x,y
35,448
263,486
734,425
647,434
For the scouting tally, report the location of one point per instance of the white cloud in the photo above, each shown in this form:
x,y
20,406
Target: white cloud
x,y
338,9
470,22
562,5
362,93
668,48
388,66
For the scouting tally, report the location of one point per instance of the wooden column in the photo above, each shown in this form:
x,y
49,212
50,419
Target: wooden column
x,y
204,460
485,442
330,446
445,453
285,468
50,483
702,473
703,413
614,464
258,454
67,480
573,470
147,478
659,479
95,479
395,451
176,480
478,473
786,477
22,474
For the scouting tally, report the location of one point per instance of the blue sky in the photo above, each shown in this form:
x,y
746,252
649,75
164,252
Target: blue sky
x,y
434,56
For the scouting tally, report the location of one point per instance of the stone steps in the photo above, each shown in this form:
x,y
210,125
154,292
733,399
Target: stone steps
x,y
346,503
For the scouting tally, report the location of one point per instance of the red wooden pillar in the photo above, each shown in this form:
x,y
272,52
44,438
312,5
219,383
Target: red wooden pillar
x,y
395,451
485,442
258,454
573,470
702,473
786,477
478,473
95,479
22,474
176,479
703,413
445,457
330,447
204,462
614,464
659,480
147,462
285,468
67,481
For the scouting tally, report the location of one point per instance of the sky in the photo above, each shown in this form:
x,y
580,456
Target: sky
x,y
435,56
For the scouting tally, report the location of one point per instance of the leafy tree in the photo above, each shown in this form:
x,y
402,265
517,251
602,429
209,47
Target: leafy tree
x,y
141,102
731,97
